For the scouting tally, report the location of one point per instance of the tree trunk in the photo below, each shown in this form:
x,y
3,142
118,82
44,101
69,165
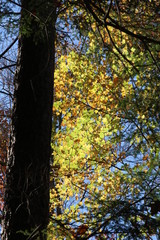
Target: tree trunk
x,y
26,211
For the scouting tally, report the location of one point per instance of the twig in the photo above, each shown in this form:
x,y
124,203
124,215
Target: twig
x,y
6,50
107,13
119,51
7,66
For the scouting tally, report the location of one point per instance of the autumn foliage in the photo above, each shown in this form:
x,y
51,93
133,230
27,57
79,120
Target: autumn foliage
x,y
106,128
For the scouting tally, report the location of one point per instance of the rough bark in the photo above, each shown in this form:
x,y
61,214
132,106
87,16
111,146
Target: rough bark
x,y
27,183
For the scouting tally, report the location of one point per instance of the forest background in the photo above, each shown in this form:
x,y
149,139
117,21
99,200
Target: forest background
x,y
104,173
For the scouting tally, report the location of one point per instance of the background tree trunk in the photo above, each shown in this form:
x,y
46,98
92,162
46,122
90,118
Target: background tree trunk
x,y
27,182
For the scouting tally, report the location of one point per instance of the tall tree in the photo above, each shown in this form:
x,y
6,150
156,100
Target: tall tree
x,y
106,149
26,209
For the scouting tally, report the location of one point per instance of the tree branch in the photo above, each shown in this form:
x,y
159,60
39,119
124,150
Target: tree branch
x,y
115,24
6,50
8,66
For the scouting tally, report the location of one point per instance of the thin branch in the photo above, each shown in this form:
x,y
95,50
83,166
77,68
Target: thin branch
x,y
119,51
8,59
6,50
116,25
154,60
17,4
135,35
107,13
34,233
117,214
6,93
88,6
9,13
7,66
118,11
